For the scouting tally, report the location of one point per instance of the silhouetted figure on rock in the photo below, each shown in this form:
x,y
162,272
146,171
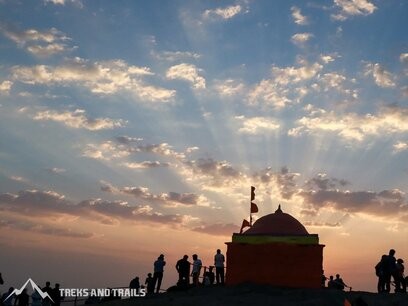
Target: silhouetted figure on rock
x,y
219,260
209,276
390,268
158,272
56,295
149,282
197,264
22,299
9,301
47,289
380,272
339,283
400,285
183,269
331,284
135,284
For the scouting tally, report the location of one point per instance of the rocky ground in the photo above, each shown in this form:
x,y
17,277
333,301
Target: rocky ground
x,y
251,295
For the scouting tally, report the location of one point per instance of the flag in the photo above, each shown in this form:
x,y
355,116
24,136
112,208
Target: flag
x,y
245,223
254,208
252,193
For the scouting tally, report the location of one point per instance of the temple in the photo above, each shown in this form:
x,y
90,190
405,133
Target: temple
x,y
276,250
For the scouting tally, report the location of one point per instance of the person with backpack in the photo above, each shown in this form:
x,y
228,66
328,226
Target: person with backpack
x,y
380,273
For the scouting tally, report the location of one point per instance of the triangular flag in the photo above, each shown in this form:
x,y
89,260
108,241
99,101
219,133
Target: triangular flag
x,y
254,208
245,223
252,193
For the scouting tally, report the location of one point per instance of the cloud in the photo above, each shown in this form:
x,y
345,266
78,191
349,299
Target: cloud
x,y
78,120
300,39
77,3
187,72
223,13
46,229
5,86
175,55
217,229
404,58
381,77
39,43
285,86
352,8
392,119
146,165
43,204
56,170
400,146
229,87
298,18
168,199
106,77
257,125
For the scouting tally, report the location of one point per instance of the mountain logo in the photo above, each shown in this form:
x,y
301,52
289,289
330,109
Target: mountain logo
x,y
33,286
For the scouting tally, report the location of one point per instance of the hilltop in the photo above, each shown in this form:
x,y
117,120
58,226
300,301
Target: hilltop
x,y
263,295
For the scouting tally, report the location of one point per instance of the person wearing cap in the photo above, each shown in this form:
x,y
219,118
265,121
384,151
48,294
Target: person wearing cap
x,y
158,272
400,284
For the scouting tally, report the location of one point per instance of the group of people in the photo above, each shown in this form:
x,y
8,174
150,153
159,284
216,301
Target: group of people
x,y
335,283
185,269
389,267
23,299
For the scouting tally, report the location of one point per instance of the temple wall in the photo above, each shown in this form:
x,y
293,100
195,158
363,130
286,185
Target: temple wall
x,y
278,264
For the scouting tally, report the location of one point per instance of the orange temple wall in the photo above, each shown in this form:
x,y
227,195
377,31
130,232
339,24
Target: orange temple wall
x,y
278,264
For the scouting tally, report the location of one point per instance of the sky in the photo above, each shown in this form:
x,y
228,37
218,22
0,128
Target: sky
x,y
134,128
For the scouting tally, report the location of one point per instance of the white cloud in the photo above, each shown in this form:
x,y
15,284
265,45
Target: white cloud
x,y
404,58
224,13
298,17
146,165
381,77
187,72
175,55
229,87
77,119
77,3
300,39
352,8
256,125
400,146
351,126
5,86
107,77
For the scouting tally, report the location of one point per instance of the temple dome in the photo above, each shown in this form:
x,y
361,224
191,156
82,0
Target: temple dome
x,y
278,223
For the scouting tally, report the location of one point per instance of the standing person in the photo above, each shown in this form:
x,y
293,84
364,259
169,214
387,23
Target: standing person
x,y
22,299
380,272
149,282
8,296
197,264
389,270
183,269
158,272
47,289
400,285
219,260
56,295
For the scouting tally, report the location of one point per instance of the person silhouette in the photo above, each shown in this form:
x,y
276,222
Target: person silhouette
x,y
9,301
219,260
390,267
400,285
158,272
1,280
135,284
197,264
56,295
36,298
183,269
47,289
380,272
331,284
149,282
22,299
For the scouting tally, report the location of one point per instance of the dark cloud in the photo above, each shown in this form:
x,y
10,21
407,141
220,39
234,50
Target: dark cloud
x,y
321,192
217,229
36,227
47,203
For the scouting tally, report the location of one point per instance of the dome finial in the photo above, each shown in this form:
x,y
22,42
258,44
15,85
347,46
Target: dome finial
x,y
279,210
